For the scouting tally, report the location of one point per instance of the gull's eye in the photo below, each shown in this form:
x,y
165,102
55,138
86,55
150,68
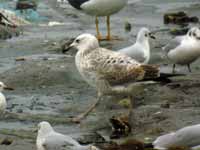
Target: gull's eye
x,y
194,34
77,41
146,35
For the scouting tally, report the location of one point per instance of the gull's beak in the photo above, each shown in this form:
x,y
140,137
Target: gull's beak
x,y
198,38
35,130
67,48
152,36
8,88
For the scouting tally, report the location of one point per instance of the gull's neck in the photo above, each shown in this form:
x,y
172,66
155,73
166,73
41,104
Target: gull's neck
x,y
44,131
89,46
143,41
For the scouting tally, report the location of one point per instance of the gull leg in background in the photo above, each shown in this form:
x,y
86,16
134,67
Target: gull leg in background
x,y
173,68
97,29
108,37
189,69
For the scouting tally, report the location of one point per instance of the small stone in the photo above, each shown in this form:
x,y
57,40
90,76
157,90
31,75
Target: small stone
x,y
127,26
6,141
165,105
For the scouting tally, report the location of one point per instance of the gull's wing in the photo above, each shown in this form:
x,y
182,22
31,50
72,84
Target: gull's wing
x,y
188,136
173,44
56,141
164,141
135,51
118,68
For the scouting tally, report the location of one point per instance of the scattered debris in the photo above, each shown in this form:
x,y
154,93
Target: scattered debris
x,y
55,23
179,18
121,127
20,59
10,15
26,4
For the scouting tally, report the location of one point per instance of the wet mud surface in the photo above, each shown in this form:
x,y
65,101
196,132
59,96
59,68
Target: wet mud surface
x,y
49,87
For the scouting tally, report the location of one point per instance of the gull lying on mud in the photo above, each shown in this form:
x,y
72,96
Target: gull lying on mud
x,y
188,136
3,103
140,50
110,72
184,50
99,8
48,139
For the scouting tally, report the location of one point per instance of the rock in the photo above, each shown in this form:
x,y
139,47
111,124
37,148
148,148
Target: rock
x,y
92,137
178,31
127,26
179,18
121,126
6,141
165,105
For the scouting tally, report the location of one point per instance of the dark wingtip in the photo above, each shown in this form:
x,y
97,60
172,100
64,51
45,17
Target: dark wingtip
x,y
148,145
77,3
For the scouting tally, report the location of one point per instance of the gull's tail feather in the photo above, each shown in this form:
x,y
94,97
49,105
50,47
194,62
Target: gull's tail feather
x,y
148,145
164,77
151,71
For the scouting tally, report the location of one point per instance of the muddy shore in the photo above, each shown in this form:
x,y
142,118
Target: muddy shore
x,y
48,84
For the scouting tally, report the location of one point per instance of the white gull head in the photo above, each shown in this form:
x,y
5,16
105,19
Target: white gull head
x,y
85,42
143,35
2,86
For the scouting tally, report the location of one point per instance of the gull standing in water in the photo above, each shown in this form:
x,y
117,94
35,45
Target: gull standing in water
x,y
48,139
110,72
99,8
184,50
3,103
140,50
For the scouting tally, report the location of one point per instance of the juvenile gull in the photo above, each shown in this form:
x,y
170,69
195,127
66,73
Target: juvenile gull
x,y
184,50
110,72
188,136
140,50
48,139
3,103
99,8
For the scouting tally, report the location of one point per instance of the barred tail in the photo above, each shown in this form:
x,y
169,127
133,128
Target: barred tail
x,y
151,71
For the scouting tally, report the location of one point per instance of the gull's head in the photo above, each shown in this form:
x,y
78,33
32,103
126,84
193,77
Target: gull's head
x,y
4,87
44,127
144,34
85,42
194,32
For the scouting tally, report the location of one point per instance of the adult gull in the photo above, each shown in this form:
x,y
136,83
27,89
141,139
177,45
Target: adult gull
x,y
99,8
48,139
184,50
140,50
188,136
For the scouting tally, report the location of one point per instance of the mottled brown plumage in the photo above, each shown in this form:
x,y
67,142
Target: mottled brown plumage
x,y
110,72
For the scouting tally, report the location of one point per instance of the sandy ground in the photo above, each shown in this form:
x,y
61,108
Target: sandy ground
x,y
48,86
